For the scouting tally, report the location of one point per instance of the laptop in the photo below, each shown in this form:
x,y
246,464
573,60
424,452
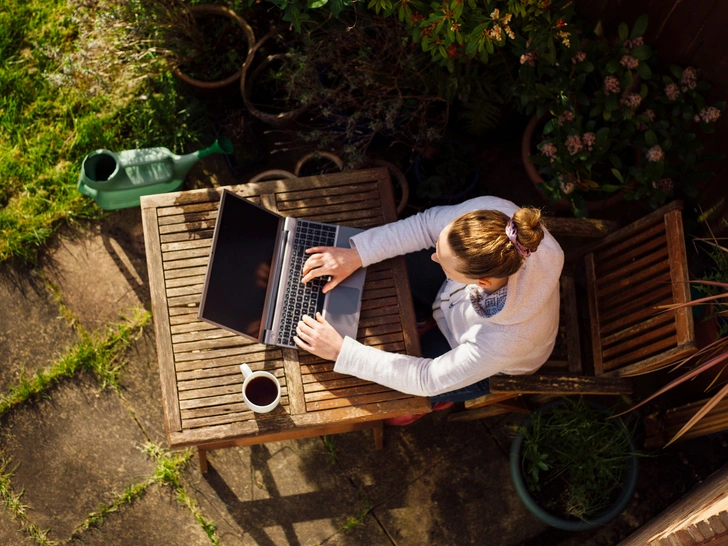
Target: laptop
x,y
253,283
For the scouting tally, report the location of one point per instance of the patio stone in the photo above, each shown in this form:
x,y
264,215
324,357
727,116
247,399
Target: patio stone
x,y
10,533
75,450
438,483
279,494
101,270
155,519
33,333
141,387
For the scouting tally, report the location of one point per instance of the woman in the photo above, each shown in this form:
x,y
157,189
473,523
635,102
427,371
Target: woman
x,y
498,308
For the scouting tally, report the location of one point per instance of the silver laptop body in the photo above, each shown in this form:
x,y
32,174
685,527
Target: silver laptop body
x,y
238,275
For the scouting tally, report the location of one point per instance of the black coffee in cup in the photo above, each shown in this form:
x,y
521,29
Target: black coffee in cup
x,y
261,391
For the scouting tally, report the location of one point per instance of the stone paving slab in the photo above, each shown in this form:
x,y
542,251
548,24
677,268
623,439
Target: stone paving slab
x,y
76,449
33,333
141,386
10,533
279,494
155,519
101,269
438,483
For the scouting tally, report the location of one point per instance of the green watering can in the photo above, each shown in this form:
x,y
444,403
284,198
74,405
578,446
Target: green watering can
x,y
118,180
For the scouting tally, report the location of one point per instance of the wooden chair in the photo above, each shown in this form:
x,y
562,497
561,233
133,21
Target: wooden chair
x,y
609,291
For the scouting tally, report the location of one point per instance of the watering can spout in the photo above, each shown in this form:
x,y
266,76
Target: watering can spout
x,y
221,146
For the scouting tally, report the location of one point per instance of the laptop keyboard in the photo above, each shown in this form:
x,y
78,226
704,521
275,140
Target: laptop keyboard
x,y
303,299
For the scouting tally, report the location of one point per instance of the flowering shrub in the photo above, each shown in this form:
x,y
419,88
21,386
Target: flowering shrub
x,y
615,121
455,30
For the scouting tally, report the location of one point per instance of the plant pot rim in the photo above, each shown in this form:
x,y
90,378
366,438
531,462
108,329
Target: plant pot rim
x,y
246,83
620,503
211,9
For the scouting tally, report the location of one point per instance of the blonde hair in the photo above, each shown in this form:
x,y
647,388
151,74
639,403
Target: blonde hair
x,y
479,242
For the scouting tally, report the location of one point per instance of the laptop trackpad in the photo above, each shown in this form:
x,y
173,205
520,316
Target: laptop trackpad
x,y
342,310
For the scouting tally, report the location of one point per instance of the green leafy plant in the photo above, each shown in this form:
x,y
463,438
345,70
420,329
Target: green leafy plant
x,y
574,458
454,30
615,121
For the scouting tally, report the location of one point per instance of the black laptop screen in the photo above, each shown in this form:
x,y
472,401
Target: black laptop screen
x,y
240,265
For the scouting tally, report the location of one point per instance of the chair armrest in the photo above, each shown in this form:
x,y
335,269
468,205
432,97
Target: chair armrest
x,y
563,385
579,227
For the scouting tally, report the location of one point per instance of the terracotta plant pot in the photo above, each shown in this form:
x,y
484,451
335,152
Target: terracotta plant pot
x,y
247,80
535,176
208,9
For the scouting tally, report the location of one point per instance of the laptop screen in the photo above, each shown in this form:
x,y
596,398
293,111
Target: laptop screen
x,y
237,277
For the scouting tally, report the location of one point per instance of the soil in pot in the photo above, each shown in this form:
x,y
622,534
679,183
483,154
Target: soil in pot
x,y
211,47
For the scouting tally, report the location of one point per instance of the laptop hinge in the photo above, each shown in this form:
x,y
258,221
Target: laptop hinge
x,y
275,279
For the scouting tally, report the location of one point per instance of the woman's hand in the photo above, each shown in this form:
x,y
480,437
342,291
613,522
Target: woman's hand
x,y
329,260
318,337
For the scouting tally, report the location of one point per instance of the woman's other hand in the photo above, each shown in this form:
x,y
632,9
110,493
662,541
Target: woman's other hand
x,y
318,337
329,260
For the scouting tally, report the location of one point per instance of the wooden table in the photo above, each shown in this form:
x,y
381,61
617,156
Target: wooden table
x,y
199,363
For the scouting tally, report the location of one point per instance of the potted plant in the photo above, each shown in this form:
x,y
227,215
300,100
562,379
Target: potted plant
x,y
207,45
572,466
613,121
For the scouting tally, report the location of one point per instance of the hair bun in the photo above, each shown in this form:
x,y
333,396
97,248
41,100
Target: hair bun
x,y
528,225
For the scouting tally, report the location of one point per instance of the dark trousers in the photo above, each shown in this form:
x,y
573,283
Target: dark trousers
x,y
426,278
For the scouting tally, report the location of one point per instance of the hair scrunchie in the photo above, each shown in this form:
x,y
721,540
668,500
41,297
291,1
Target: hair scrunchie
x,y
512,234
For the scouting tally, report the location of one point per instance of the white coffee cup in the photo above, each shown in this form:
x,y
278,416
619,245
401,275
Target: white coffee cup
x,y
261,390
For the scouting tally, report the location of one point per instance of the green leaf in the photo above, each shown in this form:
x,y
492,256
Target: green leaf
x,y
550,126
612,66
676,71
587,66
614,158
642,52
617,175
623,31
640,26
627,80
644,71
610,104
650,138
611,188
314,4
690,189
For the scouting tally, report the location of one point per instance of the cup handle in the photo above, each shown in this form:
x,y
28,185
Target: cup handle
x,y
245,369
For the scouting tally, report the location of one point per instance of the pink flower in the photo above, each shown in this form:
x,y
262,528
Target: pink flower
x,y
709,114
672,91
549,150
611,85
578,58
574,144
666,184
650,115
629,62
567,186
566,117
655,154
689,78
632,101
589,139
631,44
530,58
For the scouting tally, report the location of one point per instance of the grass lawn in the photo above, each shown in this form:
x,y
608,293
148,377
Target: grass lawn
x,y
75,77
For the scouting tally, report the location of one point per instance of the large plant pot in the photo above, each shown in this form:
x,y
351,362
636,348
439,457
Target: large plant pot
x,y
208,9
278,120
562,204
620,503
